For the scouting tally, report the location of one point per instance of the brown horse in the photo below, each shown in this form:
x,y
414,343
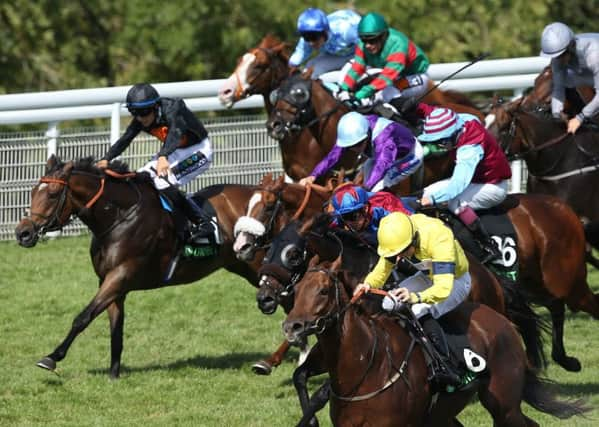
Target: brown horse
x,y
551,259
379,374
541,94
558,164
305,108
264,67
133,242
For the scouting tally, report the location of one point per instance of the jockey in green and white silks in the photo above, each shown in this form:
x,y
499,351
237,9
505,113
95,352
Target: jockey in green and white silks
x,y
333,36
397,55
574,63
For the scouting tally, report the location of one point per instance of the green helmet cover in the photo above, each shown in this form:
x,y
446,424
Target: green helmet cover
x,y
372,24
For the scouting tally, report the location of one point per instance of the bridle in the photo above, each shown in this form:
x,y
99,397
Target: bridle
x,y
321,323
240,92
303,115
52,220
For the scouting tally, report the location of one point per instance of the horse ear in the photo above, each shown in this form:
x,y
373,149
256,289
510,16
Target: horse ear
x,y
306,226
336,264
307,73
280,183
51,163
266,179
313,261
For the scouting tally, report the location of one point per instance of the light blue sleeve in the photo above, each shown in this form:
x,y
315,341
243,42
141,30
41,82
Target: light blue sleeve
x,y
301,53
467,158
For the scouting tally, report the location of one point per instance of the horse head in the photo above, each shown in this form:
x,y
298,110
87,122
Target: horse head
x,y
272,205
300,103
321,297
51,207
258,71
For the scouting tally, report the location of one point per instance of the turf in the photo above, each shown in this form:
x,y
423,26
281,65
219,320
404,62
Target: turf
x,y
188,352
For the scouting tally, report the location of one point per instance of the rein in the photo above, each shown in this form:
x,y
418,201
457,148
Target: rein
x,y
324,320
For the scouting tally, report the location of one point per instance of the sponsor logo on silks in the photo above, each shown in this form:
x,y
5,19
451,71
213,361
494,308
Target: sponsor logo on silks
x,y
189,165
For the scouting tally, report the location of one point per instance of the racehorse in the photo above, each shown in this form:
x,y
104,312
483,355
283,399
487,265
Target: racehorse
x,y
306,108
289,252
379,374
263,68
134,238
551,260
260,71
558,163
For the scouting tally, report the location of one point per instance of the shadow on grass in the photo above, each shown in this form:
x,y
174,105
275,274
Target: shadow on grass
x,y
586,388
224,362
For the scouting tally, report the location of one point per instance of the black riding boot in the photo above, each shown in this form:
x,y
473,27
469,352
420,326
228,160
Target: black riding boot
x,y
201,231
485,241
444,374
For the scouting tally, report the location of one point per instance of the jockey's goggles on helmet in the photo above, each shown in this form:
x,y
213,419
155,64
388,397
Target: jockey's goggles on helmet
x,y
352,216
312,36
371,39
140,112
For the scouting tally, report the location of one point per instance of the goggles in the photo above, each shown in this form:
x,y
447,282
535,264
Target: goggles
x,y
140,112
312,36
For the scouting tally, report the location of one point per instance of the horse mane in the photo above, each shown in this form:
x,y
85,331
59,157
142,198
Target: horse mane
x,y
272,42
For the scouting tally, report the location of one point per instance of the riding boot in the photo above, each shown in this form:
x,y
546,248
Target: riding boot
x,y
487,244
201,230
444,374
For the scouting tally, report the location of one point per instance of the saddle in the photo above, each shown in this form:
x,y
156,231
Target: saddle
x,y
498,226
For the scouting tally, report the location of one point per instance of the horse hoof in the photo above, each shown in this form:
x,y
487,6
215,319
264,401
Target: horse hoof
x,y
47,363
570,364
262,368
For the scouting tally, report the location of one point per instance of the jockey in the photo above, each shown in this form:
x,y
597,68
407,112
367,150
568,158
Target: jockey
x,y
391,50
480,177
334,37
185,153
392,150
574,63
362,211
431,296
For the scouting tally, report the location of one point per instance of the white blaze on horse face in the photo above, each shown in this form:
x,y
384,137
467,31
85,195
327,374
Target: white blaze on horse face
x,y
254,200
42,186
237,82
489,120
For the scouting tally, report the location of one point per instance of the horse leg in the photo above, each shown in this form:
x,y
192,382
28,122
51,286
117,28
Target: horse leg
x,y
311,367
106,295
558,353
116,316
264,367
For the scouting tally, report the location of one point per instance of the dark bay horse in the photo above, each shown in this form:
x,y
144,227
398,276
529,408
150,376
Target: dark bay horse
x,y
379,374
558,164
133,238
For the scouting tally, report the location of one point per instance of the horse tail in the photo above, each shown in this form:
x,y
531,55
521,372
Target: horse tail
x,y
529,324
540,393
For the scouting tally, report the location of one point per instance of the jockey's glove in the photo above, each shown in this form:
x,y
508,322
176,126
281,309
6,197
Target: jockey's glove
x,y
344,96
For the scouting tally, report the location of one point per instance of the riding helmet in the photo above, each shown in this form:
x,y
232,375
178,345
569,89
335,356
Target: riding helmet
x,y
441,123
312,20
349,198
352,128
555,39
395,234
142,95
372,25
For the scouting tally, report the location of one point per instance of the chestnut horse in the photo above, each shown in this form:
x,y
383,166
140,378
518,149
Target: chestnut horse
x,y
378,373
133,242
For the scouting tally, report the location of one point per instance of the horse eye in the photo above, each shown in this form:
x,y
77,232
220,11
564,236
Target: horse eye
x,y
291,256
324,291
